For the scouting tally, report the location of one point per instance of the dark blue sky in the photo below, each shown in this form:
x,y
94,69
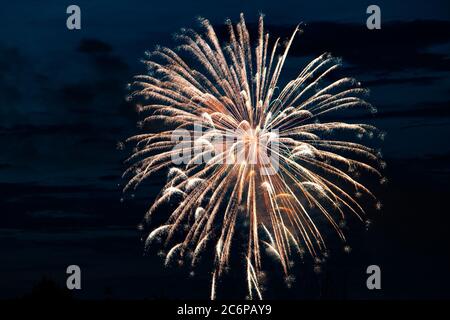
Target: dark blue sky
x,y
62,112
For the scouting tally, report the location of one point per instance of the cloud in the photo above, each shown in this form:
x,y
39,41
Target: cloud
x,y
4,166
398,46
79,93
93,46
67,235
59,214
101,55
31,205
430,163
43,129
13,67
423,81
110,64
422,110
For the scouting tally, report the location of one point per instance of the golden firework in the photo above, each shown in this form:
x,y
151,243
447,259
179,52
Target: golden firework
x,y
268,155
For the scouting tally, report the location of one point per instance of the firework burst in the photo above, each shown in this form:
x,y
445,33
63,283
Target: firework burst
x,y
232,91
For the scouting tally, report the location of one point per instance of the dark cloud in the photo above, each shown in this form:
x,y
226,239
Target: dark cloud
x,y
38,189
427,110
397,46
422,81
443,158
59,214
109,178
76,128
423,125
422,110
11,60
29,205
110,64
101,56
92,46
102,83
78,93
12,66
435,166
4,166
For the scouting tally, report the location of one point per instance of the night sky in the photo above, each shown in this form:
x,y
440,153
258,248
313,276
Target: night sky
x,y
62,113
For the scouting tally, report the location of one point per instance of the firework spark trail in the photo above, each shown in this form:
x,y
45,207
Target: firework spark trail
x,y
231,91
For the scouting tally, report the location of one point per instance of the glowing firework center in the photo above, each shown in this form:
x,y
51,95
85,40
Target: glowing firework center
x,y
244,146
